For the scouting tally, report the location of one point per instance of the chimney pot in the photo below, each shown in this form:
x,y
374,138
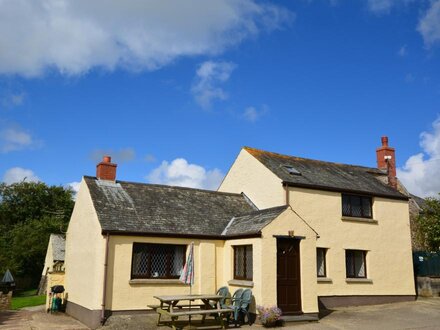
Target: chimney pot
x,y
384,141
106,170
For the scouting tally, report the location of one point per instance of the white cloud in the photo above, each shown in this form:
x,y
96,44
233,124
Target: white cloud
x,y
75,188
421,172
252,114
14,138
118,156
18,174
75,36
209,77
180,173
429,25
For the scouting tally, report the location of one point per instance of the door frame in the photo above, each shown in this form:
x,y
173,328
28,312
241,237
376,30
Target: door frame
x,y
298,239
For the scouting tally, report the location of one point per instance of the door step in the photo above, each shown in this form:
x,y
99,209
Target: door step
x,y
300,318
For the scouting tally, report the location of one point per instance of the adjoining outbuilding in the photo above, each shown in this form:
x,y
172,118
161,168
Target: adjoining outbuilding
x,y
53,270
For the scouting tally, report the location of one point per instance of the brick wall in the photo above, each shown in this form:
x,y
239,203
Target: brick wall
x,y
5,300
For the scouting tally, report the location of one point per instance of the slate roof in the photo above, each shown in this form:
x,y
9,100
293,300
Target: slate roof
x,y
58,246
138,208
419,200
252,223
316,174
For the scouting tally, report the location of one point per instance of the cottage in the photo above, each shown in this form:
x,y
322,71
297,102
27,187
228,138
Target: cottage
x,y
296,231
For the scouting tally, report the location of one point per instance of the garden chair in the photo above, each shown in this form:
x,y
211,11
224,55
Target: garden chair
x,y
246,298
224,292
236,305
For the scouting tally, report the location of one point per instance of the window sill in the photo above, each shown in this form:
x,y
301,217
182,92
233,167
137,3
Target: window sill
x,y
359,280
324,280
248,284
355,219
154,281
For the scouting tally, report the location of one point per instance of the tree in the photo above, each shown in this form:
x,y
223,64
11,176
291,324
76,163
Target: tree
x,y
29,213
428,223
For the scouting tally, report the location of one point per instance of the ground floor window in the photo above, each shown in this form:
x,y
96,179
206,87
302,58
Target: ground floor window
x,y
157,260
355,263
321,267
243,263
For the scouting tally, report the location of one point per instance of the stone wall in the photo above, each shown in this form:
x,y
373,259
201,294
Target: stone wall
x,y
428,286
5,300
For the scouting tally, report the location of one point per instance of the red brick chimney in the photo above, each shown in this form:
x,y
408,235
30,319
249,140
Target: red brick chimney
x,y
386,160
106,170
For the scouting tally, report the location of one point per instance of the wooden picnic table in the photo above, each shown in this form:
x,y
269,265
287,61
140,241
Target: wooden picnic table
x,y
169,306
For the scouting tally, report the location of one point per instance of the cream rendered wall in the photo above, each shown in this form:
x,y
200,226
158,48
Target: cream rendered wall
x,y
250,176
389,259
124,294
265,262
219,257
48,261
85,250
288,220
226,267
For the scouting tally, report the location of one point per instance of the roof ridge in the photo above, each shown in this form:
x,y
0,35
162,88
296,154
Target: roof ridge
x,y
310,159
169,186
263,211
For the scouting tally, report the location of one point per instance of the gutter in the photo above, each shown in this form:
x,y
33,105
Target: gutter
x,y
104,291
358,192
173,235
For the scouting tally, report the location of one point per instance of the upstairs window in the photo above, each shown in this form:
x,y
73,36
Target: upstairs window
x,y
356,206
355,264
243,263
158,261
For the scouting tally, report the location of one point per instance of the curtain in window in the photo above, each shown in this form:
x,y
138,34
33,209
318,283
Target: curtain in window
x,y
320,262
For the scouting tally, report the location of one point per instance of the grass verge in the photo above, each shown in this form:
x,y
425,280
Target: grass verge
x,y
27,299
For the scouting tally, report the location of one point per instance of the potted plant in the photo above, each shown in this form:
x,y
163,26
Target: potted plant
x,y
269,316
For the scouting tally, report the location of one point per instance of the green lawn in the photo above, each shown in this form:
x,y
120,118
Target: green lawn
x,y
27,299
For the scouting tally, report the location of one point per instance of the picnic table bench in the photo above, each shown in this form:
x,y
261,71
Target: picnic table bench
x,y
168,305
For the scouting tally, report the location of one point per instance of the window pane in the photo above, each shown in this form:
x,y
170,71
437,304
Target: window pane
x,y
366,207
346,210
140,262
359,264
239,261
158,260
249,262
177,259
320,262
356,209
349,263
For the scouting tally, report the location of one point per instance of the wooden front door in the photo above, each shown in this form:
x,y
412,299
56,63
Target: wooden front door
x,y
288,276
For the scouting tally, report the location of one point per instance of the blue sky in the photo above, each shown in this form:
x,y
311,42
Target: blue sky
x,y
172,90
